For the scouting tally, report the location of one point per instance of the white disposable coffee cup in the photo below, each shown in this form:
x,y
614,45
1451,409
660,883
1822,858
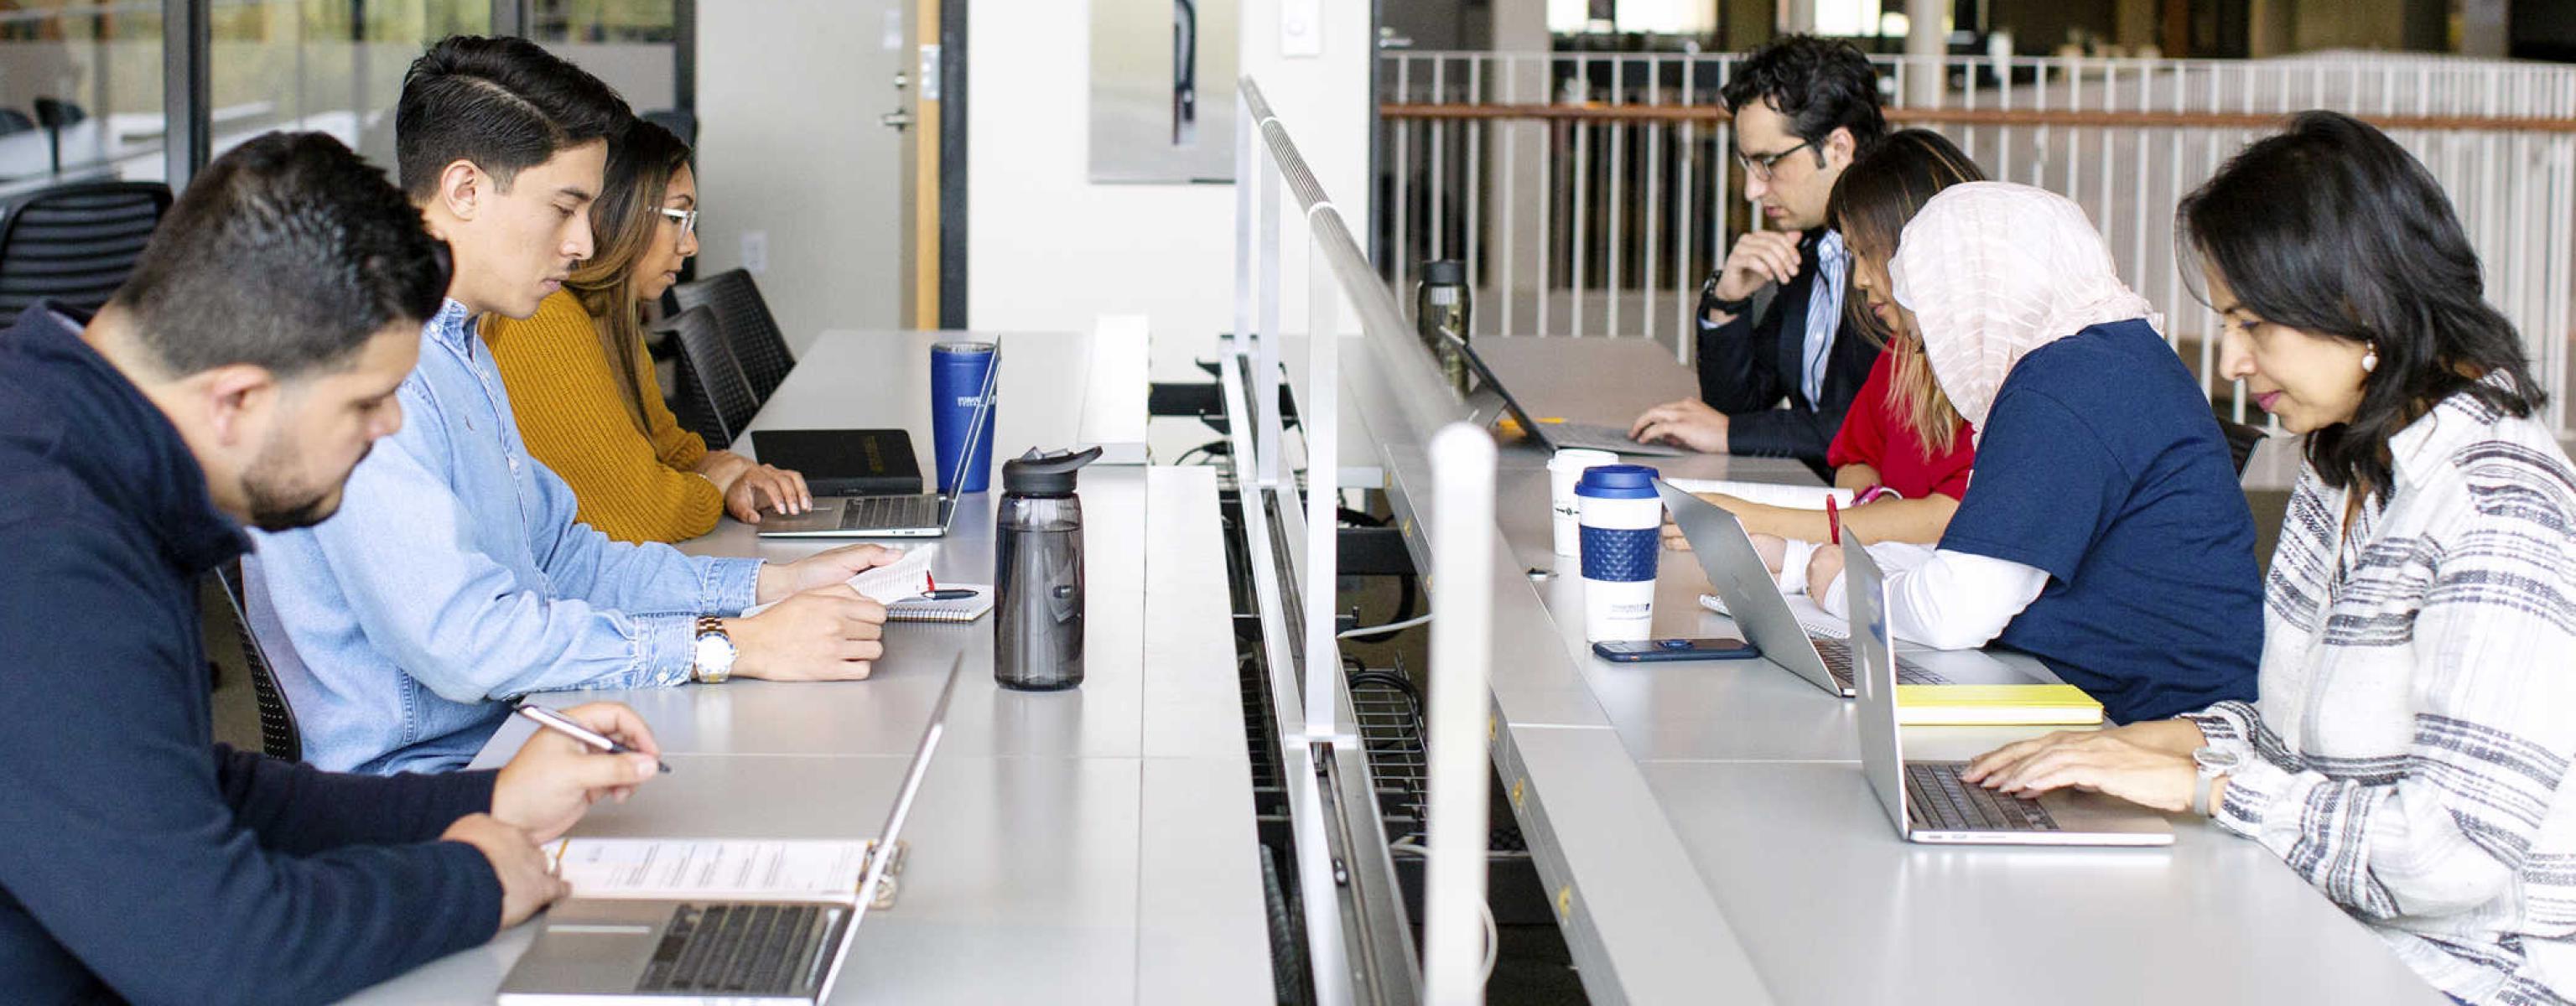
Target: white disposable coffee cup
x,y
1621,519
1564,469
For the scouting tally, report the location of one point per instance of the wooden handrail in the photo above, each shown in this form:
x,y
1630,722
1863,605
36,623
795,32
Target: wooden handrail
x,y
2260,121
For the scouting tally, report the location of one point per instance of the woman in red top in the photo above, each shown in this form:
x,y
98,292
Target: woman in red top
x,y
1902,450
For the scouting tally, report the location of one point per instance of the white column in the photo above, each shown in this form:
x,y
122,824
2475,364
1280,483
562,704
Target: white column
x,y
1926,41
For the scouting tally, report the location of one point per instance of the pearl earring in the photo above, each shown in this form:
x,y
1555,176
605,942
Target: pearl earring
x,y
2370,361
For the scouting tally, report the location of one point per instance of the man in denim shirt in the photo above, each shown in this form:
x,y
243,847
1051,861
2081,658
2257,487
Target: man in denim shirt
x,y
456,574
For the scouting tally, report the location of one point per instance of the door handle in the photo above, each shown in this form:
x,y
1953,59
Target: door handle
x,y
897,120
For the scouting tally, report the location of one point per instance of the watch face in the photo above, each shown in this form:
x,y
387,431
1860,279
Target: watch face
x,y
714,652
2214,761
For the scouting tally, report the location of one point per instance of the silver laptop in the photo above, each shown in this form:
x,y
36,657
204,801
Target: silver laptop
x,y
1491,393
639,951
1926,799
912,515
1736,571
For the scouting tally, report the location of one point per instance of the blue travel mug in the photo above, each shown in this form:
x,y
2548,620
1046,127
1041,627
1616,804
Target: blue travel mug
x,y
960,388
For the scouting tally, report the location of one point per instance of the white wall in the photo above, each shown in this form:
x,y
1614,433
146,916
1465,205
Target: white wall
x,y
789,146
1048,250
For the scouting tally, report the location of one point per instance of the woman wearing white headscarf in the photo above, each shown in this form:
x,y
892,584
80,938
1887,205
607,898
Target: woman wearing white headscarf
x,y
2410,752
2103,529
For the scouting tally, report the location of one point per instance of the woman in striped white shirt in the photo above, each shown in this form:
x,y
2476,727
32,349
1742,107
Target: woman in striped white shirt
x,y
2410,747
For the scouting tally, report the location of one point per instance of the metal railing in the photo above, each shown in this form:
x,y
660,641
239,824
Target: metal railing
x,y
1589,195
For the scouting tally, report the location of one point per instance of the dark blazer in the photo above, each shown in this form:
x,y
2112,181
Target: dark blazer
x,y
139,860
1748,365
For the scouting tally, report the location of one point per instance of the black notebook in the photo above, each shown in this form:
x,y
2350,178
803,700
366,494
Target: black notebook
x,y
844,462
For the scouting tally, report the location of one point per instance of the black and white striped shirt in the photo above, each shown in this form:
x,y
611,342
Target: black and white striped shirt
x,y
2409,751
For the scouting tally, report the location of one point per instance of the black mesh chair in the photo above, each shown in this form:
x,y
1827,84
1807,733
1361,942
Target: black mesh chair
x,y
2241,440
15,121
716,400
75,243
747,325
277,734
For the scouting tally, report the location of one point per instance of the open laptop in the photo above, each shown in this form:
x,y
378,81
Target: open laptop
x,y
1926,799
1753,599
1553,436
662,953
911,515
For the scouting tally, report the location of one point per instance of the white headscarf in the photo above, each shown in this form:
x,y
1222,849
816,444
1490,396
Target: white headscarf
x,y
1993,270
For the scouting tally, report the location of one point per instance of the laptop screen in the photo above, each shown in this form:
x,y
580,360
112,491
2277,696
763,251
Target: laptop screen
x,y
1882,753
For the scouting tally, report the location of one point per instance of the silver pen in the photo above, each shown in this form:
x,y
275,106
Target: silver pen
x,y
562,724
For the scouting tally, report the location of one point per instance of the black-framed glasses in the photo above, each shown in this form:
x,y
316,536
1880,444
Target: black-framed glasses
x,y
687,219
1760,166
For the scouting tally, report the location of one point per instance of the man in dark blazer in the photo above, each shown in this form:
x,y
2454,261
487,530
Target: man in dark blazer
x,y
1804,108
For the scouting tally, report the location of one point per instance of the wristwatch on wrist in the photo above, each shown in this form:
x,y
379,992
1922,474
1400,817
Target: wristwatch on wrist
x,y
2211,763
1708,294
712,658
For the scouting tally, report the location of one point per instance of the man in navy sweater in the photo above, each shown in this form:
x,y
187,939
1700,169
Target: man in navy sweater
x,y
236,378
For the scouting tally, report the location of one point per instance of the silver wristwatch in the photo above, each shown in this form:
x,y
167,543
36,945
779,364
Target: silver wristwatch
x,y
2211,763
712,659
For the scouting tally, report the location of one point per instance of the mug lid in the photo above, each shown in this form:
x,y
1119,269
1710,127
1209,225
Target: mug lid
x,y
1625,482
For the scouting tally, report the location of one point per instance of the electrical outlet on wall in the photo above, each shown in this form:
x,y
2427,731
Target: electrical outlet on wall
x,y
755,251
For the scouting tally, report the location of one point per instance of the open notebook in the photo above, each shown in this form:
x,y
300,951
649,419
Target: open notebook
x,y
899,585
716,869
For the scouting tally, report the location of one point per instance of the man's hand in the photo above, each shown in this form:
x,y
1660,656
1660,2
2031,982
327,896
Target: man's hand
x,y
763,485
1687,423
827,634
1760,257
528,880
822,569
554,779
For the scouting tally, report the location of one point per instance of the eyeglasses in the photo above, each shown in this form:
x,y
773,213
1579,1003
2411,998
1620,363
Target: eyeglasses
x,y
687,219
1760,166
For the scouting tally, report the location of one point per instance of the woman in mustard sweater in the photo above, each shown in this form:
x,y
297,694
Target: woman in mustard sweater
x,y
583,387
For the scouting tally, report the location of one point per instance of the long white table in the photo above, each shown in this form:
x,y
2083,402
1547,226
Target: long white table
x,y
1092,845
1792,885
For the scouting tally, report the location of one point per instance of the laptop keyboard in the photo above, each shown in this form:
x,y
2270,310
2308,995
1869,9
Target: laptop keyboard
x,y
1594,436
1838,662
859,513
736,948
1938,800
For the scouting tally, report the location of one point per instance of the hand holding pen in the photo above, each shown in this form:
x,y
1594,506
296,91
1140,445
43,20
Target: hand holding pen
x,y
579,755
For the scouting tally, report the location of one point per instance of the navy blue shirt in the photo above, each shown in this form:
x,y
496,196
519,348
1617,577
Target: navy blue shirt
x,y
2102,465
139,860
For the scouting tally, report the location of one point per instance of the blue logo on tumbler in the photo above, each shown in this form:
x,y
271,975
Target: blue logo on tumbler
x,y
957,375
1619,555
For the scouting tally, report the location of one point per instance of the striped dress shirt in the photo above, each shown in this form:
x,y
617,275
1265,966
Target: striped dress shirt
x,y
2408,753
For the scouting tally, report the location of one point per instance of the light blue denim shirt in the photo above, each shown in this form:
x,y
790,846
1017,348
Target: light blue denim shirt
x,y
455,575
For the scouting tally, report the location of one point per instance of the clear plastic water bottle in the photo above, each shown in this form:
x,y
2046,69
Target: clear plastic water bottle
x,y
1037,579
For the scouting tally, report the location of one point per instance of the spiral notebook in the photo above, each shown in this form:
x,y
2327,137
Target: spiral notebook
x,y
955,609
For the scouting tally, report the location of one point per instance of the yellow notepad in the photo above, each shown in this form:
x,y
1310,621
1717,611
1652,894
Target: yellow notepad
x,y
2016,705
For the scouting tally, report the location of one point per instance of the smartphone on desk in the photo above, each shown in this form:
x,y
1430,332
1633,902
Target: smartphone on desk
x,y
1634,651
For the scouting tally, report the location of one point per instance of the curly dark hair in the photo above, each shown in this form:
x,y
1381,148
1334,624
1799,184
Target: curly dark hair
x,y
1818,84
2332,228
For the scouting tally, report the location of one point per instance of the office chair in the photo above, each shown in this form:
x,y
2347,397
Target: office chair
x,y
15,121
2241,440
715,400
747,325
75,243
278,736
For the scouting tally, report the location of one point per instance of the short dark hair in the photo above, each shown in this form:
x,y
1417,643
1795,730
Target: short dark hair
x,y
505,104
2332,228
1818,84
289,253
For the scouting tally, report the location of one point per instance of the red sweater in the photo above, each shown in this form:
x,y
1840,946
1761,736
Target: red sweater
x,y
1874,433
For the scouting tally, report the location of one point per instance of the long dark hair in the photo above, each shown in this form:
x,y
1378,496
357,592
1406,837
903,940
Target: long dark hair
x,y
1872,202
625,222
2332,228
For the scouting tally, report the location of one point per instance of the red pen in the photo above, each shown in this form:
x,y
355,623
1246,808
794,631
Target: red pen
x,y
1834,520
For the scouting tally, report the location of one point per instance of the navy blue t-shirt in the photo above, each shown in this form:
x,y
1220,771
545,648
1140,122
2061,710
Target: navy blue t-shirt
x,y
2102,465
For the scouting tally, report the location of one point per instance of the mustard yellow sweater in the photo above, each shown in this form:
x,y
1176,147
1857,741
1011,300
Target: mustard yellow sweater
x,y
631,486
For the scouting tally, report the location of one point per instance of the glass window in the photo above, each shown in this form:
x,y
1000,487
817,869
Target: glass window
x,y
332,66
631,44
80,91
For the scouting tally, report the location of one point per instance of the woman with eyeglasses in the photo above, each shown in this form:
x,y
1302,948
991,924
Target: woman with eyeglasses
x,y
589,405
2409,750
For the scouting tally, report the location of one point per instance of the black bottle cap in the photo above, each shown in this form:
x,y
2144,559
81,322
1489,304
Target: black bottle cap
x,y
1045,474
1444,272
